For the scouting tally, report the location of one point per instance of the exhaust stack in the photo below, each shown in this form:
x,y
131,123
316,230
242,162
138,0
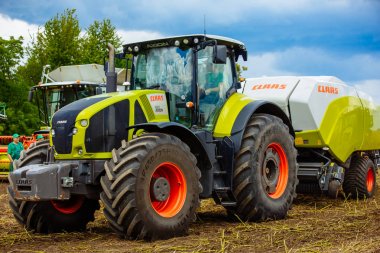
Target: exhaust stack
x,y
111,74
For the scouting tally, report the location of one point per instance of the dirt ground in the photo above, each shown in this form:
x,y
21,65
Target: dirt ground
x,y
315,224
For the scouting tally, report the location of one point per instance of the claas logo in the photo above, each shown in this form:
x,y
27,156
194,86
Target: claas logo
x,y
328,89
273,86
156,98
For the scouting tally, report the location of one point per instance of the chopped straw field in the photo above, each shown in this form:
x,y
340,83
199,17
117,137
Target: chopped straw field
x,y
315,224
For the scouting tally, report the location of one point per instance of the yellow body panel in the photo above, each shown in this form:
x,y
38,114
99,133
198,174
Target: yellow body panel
x,y
349,124
229,113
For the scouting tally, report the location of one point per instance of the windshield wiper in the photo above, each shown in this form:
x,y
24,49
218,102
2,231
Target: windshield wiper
x,y
154,86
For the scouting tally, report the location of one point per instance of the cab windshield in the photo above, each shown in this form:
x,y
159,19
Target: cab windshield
x,y
169,69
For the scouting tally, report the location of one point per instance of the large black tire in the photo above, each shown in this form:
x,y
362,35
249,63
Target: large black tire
x,y
265,173
46,217
35,154
127,188
49,216
360,178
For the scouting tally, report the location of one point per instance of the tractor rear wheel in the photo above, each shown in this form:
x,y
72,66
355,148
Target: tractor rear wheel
x,y
360,178
151,188
49,216
265,174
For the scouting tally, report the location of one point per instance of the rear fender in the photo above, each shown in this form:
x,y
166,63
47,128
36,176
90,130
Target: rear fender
x,y
248,111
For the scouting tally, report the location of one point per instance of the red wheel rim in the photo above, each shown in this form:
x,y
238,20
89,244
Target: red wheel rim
x,y
177,194
68,206
275,170
370,180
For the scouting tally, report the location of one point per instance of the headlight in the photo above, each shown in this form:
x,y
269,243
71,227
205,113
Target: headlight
x,y
75,130
84,122
52,133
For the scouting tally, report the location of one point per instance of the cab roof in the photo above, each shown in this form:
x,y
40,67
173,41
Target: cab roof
x,y
66,83
186,40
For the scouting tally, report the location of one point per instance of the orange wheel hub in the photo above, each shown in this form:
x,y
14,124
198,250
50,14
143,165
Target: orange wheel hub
x,y
167,189
275,171
370,180
68,206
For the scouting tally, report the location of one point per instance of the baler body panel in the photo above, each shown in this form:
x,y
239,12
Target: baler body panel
x,y
324,111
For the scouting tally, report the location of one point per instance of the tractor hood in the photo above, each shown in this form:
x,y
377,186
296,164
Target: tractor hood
x,y
90,128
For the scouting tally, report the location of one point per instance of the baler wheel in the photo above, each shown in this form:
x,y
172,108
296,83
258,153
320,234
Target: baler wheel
x,y
360,178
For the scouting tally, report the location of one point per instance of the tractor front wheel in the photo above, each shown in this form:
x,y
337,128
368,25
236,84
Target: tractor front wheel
x,y
54,216
49,216
151,188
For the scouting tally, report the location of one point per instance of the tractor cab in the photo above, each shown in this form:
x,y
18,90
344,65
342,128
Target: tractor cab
x,y
197,72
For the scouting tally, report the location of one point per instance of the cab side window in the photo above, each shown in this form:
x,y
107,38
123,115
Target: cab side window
x,y
214,80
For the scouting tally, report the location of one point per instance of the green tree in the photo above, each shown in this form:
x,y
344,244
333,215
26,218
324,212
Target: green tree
x,y
95,41
240,69
13,91
11,52
61,38
57,44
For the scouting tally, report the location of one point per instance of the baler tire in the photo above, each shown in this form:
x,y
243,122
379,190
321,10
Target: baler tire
x,y
360,178
129,207
266,137
43,217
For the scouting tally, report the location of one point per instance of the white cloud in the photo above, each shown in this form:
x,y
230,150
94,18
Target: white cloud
x,y
16,27
266,64
314,61
131,36
371,87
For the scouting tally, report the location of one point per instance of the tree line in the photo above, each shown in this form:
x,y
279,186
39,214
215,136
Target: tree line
x,y
60,41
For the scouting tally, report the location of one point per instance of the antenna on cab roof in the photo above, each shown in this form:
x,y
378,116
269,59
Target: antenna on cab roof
x,y
204,25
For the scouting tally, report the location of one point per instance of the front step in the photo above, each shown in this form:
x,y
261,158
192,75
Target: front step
x,y
224,196
228,203
309,171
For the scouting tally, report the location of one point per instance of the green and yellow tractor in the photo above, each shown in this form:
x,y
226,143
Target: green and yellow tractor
x,y
180,133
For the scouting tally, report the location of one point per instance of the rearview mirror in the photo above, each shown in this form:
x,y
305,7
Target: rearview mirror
x,y
220,54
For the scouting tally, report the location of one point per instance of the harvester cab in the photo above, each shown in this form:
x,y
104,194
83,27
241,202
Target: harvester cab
x,y
65,85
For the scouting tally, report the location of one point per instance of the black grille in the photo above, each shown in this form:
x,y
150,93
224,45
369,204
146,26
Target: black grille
x,y
63,123
107,128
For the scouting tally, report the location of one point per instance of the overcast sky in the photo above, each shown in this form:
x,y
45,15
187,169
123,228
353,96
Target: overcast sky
x,y
295,37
